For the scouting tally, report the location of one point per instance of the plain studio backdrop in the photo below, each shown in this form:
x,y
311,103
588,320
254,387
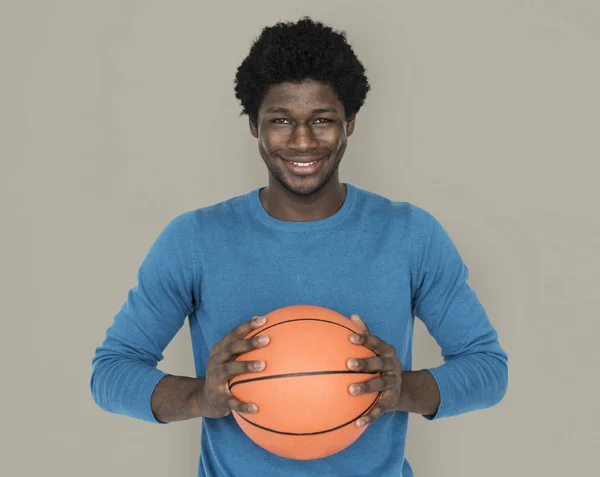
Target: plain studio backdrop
x,y
118,115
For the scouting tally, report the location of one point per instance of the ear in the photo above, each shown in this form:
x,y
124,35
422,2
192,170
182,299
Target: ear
x,y
253,128
350,125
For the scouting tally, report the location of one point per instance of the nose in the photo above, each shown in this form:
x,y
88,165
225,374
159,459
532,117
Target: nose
x,y
302,138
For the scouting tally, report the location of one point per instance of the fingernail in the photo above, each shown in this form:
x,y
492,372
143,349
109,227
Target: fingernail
x,y
252,408
360,423
259,365
355,338
263,340
352,363
354,389
260,320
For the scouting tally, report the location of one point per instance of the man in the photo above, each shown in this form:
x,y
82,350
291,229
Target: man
x,y
305,238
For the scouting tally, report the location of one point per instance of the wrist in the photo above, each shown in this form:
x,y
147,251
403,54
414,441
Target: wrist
x,y
406,400
196,400
419,393
177,398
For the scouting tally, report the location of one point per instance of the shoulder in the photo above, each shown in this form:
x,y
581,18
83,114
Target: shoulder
x,y
221,210
210,214
209,222
403,213
185,235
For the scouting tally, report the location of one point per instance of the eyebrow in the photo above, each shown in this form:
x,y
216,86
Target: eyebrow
x,y
279,109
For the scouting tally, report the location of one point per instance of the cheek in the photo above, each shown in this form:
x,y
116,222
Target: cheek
x,y
336,140
333,136
271,141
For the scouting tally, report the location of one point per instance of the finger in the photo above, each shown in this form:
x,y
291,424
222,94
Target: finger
x,y
233,349
384,403
236,405
381,383
235,368
370,417
239,332
375,344
360,323
373,365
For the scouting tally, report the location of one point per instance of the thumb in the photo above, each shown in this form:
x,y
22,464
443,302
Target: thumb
x,y
360,323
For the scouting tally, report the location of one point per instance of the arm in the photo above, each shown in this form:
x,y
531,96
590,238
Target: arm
x,y
475,371
124,368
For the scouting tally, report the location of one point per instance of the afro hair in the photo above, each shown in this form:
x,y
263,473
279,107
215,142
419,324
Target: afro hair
x,y
293,52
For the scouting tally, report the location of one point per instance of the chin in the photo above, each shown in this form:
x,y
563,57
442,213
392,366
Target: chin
x,y
307,187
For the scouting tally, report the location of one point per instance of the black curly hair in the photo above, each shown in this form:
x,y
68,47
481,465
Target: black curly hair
x,y
293,52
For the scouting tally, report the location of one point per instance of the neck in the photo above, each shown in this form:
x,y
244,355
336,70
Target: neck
x,y
285,205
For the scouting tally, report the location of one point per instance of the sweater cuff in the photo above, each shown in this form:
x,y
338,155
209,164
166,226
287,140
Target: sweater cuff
x,y
141,394
446,407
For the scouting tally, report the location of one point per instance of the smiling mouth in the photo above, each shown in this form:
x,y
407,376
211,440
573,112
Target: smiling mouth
x,y
306,167
303,163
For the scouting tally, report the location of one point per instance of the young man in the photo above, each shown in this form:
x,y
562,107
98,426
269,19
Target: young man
x,y
306,238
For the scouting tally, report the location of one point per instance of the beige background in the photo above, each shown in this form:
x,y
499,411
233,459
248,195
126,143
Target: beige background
x,y
117,115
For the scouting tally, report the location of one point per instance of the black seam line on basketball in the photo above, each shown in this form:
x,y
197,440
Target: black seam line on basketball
x,y
302,319
309,433
293,375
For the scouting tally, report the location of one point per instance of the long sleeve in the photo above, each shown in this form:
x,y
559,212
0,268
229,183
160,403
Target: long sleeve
x,y
474,374
124,368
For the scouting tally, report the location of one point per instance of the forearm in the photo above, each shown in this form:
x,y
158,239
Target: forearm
x,y
471,382
177,398
419,393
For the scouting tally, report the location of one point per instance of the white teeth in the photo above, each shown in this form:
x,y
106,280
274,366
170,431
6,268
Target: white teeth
x,y
304,165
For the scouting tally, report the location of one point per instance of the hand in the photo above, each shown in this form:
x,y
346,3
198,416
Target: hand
x,y
389,383
221,367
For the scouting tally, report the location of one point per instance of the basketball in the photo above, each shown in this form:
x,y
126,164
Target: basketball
x,y
305,410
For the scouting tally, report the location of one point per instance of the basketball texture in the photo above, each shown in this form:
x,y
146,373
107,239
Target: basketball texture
x,y
305,408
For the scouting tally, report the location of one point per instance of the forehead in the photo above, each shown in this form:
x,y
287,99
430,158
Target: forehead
x,y
305,95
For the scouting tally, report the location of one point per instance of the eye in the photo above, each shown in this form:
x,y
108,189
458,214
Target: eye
x,y
280,121
322,121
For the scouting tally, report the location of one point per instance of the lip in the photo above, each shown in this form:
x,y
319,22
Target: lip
x,y
305,160
305,170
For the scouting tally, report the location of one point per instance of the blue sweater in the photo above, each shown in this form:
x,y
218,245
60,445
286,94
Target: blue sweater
x,y
389,262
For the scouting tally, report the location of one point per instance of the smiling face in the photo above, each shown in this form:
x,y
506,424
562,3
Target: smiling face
x,y
302,132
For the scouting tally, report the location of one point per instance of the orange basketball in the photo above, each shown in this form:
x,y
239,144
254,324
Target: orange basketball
x,y
305,408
